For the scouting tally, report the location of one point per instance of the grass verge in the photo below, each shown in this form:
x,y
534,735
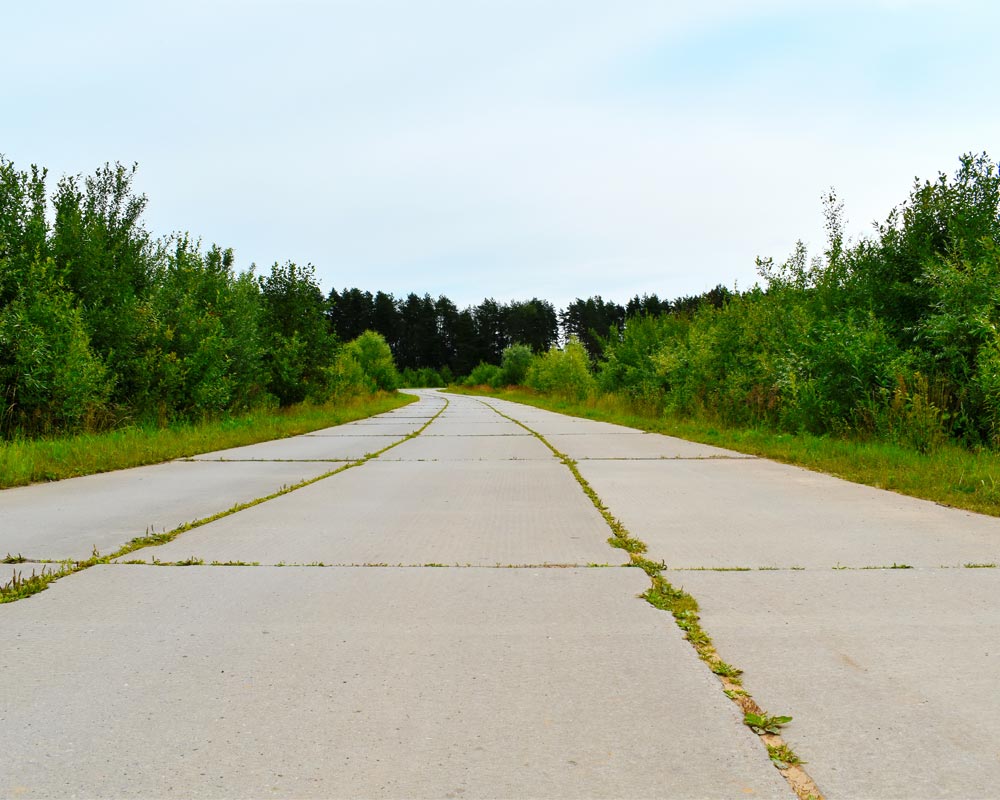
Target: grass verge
x,y
29,461
950,475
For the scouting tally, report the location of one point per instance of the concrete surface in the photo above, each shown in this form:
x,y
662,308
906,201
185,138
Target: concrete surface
x,y
448,512
307,448
757,513
382,683
637,445
473,681
890,675
69,518
497,426
470,448
374,427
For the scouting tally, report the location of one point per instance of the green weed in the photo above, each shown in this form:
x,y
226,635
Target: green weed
x,y
782,756
765,723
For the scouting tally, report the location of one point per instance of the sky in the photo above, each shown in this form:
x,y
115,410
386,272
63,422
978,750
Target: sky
x,y
505,148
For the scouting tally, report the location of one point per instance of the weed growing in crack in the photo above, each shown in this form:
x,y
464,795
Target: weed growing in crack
x,y
684,608
627,544
18,559
782,756
19,587
765,723
726,670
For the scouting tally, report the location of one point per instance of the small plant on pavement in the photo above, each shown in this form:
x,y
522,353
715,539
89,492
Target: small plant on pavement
x,y
782,756
764,723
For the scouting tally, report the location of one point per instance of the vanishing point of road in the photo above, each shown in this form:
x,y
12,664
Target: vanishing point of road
x,y
447,619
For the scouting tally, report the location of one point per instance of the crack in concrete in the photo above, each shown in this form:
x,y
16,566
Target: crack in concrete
x,y
797,778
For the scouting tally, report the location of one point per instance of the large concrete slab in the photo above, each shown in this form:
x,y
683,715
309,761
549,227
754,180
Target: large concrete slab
x,y
306,448
890,675
756,513
379,683
634,445
69,518
374,427
456,426
415,512
469,448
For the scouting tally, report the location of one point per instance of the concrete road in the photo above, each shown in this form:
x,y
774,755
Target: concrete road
x,y
889,673
471,634
448,620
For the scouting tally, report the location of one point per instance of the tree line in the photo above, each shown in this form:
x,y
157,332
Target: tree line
x,y
895,336
103,324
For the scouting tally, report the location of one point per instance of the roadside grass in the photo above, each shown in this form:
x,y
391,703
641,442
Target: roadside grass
x,y
950,475
24,461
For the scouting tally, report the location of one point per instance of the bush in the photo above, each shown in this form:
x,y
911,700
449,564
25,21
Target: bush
x,y
374,357
483,375
564,373
422,378
346,378
514,365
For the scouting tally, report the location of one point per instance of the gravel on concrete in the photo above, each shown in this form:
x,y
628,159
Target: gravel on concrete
x,y
382,683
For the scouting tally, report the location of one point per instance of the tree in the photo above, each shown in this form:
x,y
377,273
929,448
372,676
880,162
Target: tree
x,y
351,313
533,323
372,354
104,254
592,320
299,344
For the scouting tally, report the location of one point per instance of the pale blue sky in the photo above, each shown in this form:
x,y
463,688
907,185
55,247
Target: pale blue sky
x,y
508,149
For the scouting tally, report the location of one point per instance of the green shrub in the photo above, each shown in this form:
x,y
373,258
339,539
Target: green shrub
x,y
372,353
483,375
564,373
514,365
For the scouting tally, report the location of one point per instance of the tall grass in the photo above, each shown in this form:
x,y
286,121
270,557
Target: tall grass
x,y
24,461
951,475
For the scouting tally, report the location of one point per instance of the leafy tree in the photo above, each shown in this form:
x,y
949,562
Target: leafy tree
x,y
50,378
372,354
104,254
514,365
299,345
